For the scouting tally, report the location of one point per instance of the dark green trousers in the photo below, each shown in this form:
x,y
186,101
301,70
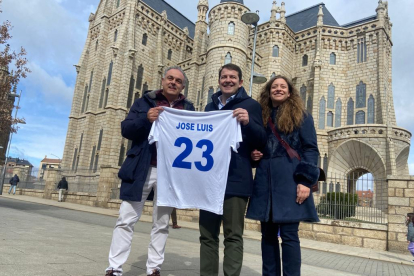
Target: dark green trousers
x,y
233,225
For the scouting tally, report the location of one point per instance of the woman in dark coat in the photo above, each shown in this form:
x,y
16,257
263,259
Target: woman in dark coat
x,y
281,196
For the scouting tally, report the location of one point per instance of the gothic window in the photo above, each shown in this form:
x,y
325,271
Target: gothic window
x,y
361,95
331,95
332,59
100,139
144,39
115,35
145,87
117,3
275,52
361,50
227,59
338,112
130,91
169,54
303,93
95,167
322,107
360,117
106,97
210,93
74,159
90,81
80,143
121,155
325,163
108,82
371,108
273,75
85,96
140,76
329,119
92,158
309,104
96,45
102,93
305,60
186,89
350,112
230,28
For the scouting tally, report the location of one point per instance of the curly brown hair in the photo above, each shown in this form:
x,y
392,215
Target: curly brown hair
x,y
290,112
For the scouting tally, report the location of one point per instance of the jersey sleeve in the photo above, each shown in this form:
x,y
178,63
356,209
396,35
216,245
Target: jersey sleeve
x,y
237,136
154,133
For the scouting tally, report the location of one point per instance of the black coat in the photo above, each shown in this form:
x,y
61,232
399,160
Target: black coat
x,y
240,177
14,180
63,184
277,177
136,128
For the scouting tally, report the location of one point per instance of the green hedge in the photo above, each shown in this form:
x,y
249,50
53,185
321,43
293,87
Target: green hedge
x,y
338,205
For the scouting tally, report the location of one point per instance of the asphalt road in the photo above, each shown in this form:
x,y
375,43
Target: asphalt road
x,y
39,239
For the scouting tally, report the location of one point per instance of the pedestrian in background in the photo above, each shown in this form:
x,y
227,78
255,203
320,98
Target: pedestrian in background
x,y
13,183
63,185
410,235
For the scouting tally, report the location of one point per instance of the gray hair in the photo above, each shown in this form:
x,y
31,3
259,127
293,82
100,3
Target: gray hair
x,y
179,69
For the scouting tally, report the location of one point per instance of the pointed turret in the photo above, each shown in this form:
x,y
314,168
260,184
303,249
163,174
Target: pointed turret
x,y
273,12
282,12
202,8
320,16
380,11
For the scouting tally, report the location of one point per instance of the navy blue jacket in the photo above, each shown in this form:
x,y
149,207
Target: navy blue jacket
x,y
136,128
14,180
240,177
277,176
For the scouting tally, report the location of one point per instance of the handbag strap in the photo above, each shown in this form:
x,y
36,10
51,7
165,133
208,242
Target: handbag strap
x,y
291,152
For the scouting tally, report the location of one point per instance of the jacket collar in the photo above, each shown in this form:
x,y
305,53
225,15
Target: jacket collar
x,y
240,96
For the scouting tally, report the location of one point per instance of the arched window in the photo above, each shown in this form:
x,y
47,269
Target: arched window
x,y
102,93
144,87
108,82
90,81
169,54
210,93
338,112
305,60
198,97
85,96
331,95
361,50
96,45
140,76
360,117
115,35
121,155
332,59
144,39
303,93
322,107
275,52
106,97
350,112
309,104
227,59
273,75
230,28
186,89
371,110
130,91
117,3
329,119
361,96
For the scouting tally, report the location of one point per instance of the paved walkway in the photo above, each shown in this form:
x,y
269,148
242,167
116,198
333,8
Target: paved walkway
x,y
349,251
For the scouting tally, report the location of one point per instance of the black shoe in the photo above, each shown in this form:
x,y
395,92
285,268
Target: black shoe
x,y
112,272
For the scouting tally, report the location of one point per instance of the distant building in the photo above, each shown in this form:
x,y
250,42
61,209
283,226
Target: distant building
x,y
365,198
47,163
21,167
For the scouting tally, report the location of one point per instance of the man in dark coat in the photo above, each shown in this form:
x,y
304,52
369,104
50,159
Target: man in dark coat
x,y
139,174
248,112
13,183
62,185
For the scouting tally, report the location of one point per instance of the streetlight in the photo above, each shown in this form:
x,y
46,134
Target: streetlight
x,y
251,18
9,143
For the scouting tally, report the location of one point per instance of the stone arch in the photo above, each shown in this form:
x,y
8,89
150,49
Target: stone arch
x,y
354,155
401,161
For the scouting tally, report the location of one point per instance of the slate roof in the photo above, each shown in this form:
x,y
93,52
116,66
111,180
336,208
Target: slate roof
x,y
308,18
237,1
18,161
360,21
172,14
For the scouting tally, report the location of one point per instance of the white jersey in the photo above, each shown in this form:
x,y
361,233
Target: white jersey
x,y
193,157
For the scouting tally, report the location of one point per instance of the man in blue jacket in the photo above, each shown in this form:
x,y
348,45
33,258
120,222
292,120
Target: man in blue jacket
x,y
139,174
248,112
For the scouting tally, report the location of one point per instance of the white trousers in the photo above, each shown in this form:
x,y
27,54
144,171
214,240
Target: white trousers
x,y
61,194
129,214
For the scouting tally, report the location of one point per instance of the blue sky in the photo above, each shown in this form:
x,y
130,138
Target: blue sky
x,y
54,32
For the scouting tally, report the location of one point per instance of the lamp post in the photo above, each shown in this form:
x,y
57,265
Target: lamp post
x,y
9,143
252,18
